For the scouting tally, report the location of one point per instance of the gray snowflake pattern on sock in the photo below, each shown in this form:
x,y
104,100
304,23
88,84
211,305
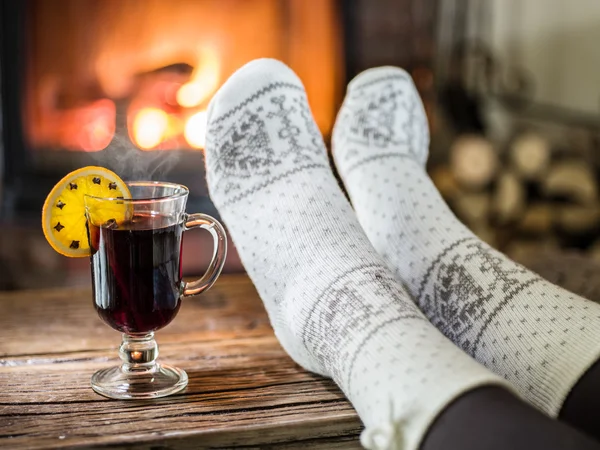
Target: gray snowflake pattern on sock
x,y
536,335
334,305
247,156
371,118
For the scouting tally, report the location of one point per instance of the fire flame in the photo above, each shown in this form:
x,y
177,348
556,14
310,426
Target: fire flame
x,y
204,80
150,127
153,126
195,130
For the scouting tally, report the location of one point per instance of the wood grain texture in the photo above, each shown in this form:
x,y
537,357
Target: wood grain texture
x,y
244,391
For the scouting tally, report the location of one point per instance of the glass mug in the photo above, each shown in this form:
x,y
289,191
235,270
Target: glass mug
x,y
137,280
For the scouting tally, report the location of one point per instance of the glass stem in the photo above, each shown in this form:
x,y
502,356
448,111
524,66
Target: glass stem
x,y
138,353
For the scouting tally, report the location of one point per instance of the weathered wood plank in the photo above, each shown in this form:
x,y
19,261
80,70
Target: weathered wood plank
x,y
244,391
31,322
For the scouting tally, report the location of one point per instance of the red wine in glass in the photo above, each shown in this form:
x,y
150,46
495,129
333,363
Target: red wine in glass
x,y
136,273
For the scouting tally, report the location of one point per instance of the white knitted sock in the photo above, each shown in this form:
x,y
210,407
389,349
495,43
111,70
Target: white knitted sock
x,y
335,307
536,335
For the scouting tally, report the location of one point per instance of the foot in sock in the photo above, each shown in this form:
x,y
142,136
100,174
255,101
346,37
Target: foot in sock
x,y
334,306
536,335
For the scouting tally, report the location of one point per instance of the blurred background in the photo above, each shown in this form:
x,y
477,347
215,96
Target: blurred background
x,y
511,88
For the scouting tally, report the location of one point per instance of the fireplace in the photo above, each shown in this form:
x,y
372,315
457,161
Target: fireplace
x,y
125,84
155,64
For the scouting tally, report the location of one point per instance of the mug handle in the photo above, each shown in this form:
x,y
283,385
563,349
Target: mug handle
x,y
217,231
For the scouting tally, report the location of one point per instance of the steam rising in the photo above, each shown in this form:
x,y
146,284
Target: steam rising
x,y
131,163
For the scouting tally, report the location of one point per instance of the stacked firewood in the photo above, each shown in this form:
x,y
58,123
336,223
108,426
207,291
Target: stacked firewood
x,y
526,198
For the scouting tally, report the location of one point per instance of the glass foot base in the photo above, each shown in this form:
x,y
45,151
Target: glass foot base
x,y
122,383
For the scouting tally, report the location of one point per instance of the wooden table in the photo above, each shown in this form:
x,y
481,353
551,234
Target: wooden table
x,y
244,391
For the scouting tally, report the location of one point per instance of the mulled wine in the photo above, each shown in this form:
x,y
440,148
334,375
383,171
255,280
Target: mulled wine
x,y
136,275
136,272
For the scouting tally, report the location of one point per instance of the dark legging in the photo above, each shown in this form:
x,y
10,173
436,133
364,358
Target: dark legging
x,y
492,418
582,407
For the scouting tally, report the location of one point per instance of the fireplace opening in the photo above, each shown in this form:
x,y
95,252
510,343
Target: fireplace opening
x,y
141,73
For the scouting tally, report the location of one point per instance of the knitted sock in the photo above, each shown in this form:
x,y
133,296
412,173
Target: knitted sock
x,y
536,335
335,307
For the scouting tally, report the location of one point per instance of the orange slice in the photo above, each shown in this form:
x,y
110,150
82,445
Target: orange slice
x,y
63,215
